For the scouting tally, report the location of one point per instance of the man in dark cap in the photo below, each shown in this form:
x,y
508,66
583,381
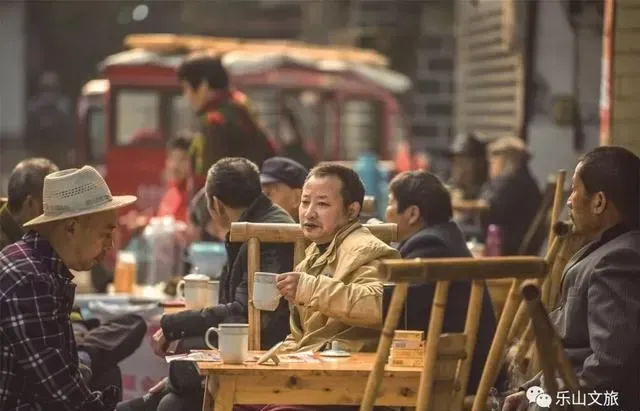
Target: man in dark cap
x,y
228,128
468,165
282,180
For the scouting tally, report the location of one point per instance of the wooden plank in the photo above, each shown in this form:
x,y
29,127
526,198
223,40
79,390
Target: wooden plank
x,y
459,269
290,233
323,390
503,93
504,63
491,120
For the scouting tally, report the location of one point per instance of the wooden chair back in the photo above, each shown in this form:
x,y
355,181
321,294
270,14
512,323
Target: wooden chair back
x,y
435,391
549,346
548,211
256,233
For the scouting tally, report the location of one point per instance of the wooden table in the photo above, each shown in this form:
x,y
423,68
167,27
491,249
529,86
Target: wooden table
x,y
329,382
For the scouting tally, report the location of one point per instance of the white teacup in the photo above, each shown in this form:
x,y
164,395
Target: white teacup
x,y
198,291
233,342
266,296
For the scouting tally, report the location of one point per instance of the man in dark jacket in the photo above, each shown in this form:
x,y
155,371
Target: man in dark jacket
x,y
512,193
598,317
100,347
228,128
233,195
421,207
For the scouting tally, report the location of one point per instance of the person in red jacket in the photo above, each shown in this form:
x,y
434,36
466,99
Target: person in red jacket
x,y
228,128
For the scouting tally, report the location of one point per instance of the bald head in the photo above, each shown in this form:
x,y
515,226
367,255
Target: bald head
x,y
26,181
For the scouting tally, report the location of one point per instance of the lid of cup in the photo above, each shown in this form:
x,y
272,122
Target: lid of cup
x,y
207,247
233,325
197,277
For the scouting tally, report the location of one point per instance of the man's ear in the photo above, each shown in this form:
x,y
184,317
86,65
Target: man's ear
x,y
70,226
414,214
353,211
599,203
297,196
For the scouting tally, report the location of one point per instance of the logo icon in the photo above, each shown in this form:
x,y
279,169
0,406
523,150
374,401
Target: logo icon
x,y
537,395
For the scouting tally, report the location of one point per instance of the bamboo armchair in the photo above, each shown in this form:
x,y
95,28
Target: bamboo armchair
x,y
434,391
256,233
549,346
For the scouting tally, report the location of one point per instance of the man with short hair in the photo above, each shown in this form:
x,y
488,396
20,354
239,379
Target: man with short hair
x,y
282,180
512,194
420,205
39,367
233,194
598,317
24,200
228,127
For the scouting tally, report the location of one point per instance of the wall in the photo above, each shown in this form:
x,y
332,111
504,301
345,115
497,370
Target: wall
x,y
433,99
12,59
552,145
625,121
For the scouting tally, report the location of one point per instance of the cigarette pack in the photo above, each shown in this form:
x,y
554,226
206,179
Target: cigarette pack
x,y
407,344
408,335
405,362
407,353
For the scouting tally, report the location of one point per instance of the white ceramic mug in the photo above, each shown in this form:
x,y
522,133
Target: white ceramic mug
x,y
198,291
266,296
233,342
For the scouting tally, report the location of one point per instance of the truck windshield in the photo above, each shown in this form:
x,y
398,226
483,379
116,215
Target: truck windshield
x,y
150,116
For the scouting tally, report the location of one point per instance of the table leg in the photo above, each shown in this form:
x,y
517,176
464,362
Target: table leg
x,y
209,392
225,394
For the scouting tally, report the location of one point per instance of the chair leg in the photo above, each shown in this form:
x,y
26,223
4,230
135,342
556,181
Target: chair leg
x,y
384,346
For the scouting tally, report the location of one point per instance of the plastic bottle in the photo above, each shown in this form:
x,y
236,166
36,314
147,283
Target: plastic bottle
x,y
493,243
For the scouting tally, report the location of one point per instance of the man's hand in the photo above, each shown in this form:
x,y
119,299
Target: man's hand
x,y
287,284
159,386
159,343
516,402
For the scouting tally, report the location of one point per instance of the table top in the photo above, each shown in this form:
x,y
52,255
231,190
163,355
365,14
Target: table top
x,y
356,364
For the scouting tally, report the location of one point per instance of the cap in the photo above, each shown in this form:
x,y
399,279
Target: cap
x,y
467,144
283,170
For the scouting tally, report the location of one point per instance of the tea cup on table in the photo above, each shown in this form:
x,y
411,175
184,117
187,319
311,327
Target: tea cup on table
x,y
233,342
198,291
266,296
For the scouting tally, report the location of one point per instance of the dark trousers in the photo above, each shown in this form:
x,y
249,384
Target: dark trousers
x,y
109,343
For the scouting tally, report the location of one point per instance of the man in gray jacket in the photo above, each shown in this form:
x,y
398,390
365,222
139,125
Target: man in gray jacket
x,y
598,315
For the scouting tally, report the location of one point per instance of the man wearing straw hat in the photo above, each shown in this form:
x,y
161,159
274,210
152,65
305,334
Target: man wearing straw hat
x,y
38,354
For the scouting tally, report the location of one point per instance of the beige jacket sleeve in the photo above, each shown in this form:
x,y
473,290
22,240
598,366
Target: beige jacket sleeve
x,y
358,303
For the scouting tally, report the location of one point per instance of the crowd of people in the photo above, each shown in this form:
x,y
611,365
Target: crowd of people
x,y
61,220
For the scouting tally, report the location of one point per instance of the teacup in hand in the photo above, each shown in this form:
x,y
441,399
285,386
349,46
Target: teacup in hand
x,y
265,293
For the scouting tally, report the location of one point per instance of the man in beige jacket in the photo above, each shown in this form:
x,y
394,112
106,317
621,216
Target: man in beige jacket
x,y
336,292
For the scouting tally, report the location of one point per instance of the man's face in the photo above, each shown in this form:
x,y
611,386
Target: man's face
x,y
88,239
322,211
496,165
584,209
286,197
404,220
177,165
197,97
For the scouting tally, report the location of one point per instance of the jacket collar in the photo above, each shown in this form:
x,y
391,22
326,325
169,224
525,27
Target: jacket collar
x,y
9,225
330,254
44,251
604,238
255,212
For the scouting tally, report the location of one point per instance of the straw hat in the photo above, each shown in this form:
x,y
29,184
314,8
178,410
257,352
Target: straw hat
x,y
76,192
509,144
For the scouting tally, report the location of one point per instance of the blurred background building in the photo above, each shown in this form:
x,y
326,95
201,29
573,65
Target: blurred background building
x,y
528,68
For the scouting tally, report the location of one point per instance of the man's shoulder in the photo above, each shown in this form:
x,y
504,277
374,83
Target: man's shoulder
x,y
18,266
275,215
362,242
